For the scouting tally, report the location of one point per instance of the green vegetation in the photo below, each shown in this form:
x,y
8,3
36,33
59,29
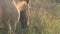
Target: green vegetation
x,y
58,1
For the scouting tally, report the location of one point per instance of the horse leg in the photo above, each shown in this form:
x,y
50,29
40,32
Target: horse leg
x,y
6,28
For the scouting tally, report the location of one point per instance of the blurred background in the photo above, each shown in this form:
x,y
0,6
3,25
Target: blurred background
x,y
44,18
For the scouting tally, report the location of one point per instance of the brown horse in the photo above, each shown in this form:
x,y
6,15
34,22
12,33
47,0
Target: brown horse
x,y
8,15
22,6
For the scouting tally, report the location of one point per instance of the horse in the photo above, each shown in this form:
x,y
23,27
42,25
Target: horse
x,y
8,15
23,7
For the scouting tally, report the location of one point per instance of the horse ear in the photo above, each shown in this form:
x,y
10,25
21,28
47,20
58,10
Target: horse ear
x,y
26,1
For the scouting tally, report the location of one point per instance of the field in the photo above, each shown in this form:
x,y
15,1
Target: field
x,y
44,18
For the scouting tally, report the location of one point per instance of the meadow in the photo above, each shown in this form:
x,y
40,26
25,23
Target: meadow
x,y
44,18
